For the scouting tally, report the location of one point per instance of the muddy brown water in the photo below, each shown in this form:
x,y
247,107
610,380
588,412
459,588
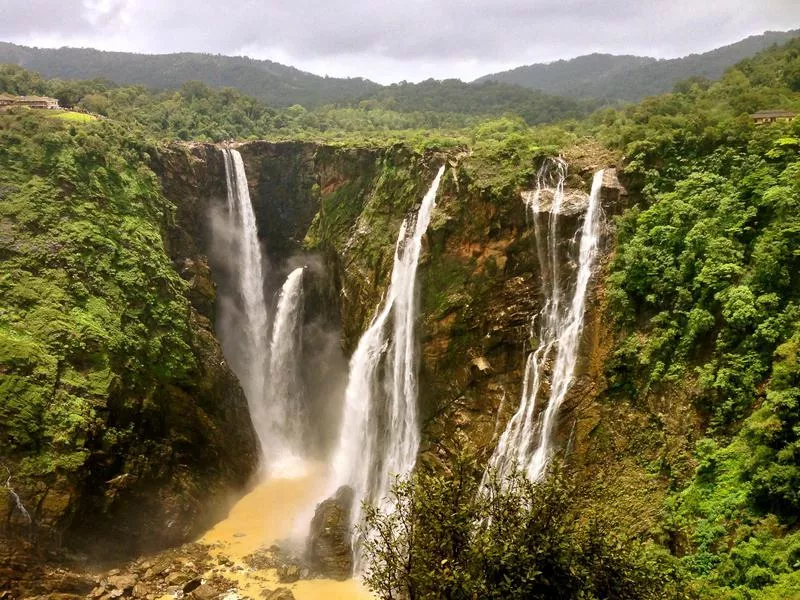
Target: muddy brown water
x,y
270,514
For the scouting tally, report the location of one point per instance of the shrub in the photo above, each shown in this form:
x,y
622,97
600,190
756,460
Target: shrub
x,y
453,537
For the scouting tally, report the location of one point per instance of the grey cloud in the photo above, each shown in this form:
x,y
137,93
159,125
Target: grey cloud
x,y
401,32
43,16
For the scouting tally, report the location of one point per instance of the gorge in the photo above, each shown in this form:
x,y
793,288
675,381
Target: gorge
x,y
340,211
468,291
559,361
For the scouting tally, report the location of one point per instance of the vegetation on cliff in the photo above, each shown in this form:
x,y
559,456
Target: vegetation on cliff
x,y
99,347
705,291
79,210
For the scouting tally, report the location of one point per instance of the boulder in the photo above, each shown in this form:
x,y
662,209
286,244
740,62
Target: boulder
x,y
124,582
179,578
205,591
328,548
288,573
261,559
192,585
613,194
156,569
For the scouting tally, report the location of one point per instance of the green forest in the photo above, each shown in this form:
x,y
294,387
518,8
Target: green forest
x,y
701,290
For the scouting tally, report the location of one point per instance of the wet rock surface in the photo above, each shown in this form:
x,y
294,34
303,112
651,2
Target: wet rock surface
x,y
328,547
194,571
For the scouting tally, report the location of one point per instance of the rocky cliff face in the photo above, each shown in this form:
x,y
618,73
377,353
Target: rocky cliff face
x,y
339,209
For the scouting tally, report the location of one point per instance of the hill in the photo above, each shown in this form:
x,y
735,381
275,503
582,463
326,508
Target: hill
x,y
539,93
486,98
277,85
609,77
271,82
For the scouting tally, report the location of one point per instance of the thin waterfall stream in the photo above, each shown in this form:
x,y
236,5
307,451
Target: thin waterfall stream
x,y
527,440
286,409
246,345
379,434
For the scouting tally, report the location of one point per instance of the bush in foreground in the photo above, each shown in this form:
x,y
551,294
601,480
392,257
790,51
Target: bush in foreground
x,y
449,536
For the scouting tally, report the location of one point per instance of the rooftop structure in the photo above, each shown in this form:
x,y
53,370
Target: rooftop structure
x,y
771,116
7,100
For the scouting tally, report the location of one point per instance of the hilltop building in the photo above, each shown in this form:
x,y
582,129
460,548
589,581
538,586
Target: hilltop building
x,y
771,116
7,100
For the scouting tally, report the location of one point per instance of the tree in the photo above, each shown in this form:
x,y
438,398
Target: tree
x,y
450,536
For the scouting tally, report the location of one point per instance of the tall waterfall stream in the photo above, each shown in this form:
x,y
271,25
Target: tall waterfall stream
x,y
527,441
380,431
246,344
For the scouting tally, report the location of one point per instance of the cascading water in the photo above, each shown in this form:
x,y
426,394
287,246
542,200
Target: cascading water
x,y
285,413
527,440
379,435
17,502
248,341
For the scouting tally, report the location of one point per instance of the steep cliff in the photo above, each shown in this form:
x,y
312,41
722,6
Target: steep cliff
x,y
122,427
479,272
163,446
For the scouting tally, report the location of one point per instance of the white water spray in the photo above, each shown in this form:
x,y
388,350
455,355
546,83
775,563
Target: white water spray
x,y
17,502
286,411
250,337
526,442
379,435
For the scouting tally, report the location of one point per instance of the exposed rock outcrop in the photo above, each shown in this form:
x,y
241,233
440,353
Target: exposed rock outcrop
x,y
328,548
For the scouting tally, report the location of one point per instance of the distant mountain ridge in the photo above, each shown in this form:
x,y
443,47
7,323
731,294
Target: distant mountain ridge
x,y
281,86
540,92
611,77
271,82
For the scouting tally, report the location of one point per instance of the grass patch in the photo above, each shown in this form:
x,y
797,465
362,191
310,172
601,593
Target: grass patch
x,y
72,117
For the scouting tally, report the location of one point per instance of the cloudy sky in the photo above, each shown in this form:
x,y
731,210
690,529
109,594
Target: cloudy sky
x,y
393,40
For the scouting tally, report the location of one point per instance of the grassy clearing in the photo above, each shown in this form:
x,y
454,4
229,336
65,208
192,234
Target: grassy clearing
x,y
71,116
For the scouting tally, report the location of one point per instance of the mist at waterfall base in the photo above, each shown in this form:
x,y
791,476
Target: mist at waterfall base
x,y
291,386
566,265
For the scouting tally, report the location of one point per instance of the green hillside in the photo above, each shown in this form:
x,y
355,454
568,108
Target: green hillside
x,y
270,82
609,77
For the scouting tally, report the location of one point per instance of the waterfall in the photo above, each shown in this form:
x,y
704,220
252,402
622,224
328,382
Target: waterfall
x,y
247,347
286,414
379,435
17,502
526,442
